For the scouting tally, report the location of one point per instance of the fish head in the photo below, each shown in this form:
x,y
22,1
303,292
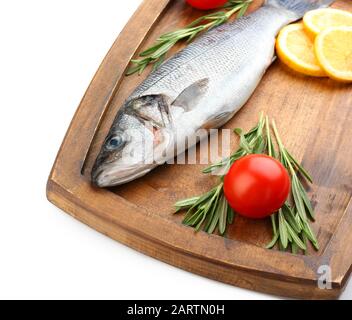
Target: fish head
x,y
139,135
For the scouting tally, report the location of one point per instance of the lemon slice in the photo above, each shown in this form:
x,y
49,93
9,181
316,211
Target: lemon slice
x,y
333,48
318,20
296,49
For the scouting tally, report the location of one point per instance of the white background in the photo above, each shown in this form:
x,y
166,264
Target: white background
x,y
49,52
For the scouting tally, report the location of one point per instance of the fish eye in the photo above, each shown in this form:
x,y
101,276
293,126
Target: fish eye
x,y
115,142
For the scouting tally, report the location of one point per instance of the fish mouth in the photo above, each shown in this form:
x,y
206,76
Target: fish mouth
x,y
98,169
96,177
104,178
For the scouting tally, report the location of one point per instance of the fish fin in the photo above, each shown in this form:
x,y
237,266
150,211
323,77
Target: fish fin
x,y
189,98
217,121
299,7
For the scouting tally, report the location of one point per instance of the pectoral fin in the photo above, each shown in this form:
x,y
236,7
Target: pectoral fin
x,y
190,97
217,121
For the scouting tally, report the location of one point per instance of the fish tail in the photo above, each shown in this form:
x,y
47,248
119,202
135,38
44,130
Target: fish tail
x,y
299,7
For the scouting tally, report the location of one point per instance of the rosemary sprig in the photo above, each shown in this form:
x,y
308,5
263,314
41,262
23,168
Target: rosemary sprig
x,y
211,210
157,53
291,224
295,223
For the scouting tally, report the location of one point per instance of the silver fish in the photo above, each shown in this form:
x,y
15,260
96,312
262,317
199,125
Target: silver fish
x,y
202,86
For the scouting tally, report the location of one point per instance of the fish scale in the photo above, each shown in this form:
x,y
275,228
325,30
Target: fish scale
x,y
230,49
201,87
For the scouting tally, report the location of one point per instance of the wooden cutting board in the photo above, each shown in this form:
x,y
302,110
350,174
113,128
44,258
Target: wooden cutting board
x,y
315,119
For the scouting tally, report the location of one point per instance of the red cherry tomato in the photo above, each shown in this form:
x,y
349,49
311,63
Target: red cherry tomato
x,y
256,186
206,4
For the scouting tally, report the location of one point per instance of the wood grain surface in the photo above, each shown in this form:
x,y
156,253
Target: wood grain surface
x,y
314,117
